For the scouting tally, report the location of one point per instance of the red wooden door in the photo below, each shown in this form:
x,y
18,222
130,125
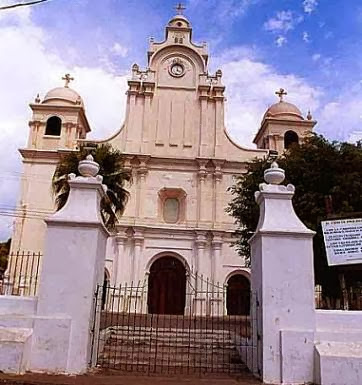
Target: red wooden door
x,y
238,295
167,287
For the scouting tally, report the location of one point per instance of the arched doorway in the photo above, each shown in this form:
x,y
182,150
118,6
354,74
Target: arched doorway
x,y
238,295
167,286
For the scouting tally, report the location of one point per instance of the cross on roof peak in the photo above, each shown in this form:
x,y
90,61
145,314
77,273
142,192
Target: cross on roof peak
x,y
67,78
281,93
180,8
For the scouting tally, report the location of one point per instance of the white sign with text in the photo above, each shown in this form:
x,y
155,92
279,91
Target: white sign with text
x,y
343,241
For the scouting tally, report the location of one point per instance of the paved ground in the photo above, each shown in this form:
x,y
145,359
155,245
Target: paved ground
x,y
116,379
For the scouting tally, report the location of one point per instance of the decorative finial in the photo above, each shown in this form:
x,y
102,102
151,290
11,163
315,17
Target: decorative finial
x,y
281,93
37,99
67,78
274,174
88,167
309,116
180,8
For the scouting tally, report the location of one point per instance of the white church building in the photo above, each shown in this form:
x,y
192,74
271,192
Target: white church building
x,y
182,160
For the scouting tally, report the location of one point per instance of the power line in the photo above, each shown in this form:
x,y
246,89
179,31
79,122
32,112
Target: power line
x,y
22,4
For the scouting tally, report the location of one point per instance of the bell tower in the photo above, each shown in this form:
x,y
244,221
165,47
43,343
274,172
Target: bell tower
x,y
283,124
58,120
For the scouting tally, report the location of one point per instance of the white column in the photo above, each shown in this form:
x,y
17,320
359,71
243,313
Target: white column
x,y
138,246
216,256
121,266
201,270
200,243
283,280
218,209
202,200
73,266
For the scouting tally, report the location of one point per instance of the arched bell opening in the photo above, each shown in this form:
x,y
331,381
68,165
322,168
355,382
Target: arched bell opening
x,y
290,138
167,286
53,126
238,295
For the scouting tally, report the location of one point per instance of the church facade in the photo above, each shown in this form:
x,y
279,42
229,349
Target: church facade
x,y
182,160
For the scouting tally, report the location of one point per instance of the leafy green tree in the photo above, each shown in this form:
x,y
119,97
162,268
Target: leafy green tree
x,y
111,164
328,180
4,256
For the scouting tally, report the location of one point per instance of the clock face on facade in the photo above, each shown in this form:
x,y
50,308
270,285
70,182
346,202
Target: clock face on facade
x,y
177,69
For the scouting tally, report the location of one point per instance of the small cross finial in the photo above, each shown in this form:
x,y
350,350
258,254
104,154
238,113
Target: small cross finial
x,y
180,8
281,93
67,78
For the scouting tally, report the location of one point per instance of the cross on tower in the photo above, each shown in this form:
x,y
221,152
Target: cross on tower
x,y
67,78
180,8
281,93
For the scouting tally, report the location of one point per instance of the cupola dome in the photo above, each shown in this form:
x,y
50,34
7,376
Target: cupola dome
x,y
283,110
63,95
179,21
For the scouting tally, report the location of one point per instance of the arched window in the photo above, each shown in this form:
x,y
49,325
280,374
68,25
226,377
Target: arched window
x,y
171,210
290,137
54,126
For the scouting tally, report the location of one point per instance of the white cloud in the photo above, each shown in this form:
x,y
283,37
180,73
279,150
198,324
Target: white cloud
x,y
354,136
316,56
30,67
119,50
341,119
310,6
282,22
223,11
280,41
250,86
306,37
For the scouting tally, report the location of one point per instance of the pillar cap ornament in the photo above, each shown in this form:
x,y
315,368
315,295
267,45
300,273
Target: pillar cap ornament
x,y
274,174
88,167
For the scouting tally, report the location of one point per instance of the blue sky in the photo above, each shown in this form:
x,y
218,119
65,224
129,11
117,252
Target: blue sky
x,y
313,48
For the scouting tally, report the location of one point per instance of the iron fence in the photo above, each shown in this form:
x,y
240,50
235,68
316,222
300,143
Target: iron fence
x,y
342,299
22,274
204,339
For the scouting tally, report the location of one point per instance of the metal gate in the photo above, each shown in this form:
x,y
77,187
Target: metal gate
x,y
204,339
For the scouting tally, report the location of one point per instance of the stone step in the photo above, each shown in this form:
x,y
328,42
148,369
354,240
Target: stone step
x,y
220,337
170,350
145,347
180,329
155,367
171,338
177,344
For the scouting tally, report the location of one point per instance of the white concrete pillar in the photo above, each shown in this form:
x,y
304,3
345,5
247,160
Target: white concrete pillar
x,y
73,266
283,281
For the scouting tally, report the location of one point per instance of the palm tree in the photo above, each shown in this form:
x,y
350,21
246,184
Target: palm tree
x,y
114,176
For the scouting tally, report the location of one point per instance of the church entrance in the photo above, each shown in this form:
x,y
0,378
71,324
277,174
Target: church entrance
x,y
238,295
150,327
167,287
